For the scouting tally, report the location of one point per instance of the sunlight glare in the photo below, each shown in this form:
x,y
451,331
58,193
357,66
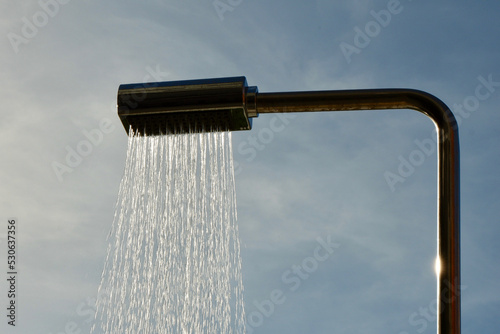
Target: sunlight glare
x,y
437,266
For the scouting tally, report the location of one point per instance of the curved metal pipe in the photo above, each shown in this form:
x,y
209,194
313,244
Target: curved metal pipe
x,y
448,231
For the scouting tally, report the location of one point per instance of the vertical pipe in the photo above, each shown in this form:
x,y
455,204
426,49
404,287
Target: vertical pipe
x,y
448,231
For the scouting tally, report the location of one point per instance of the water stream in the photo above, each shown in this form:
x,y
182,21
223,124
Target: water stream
x,y
173,262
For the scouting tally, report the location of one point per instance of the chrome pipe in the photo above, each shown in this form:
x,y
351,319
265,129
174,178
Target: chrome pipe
x,y
448,222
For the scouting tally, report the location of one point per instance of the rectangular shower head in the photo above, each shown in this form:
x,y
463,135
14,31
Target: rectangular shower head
x,y
159,108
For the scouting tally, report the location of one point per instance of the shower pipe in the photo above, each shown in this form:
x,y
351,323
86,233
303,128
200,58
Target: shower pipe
x,y
229,104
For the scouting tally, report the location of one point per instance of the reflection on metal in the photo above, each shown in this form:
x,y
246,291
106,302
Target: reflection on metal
x,y
193,99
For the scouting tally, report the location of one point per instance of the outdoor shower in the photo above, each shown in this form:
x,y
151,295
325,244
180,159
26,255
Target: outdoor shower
x,y
228,104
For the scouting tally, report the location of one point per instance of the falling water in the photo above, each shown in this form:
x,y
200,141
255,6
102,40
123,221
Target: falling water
x,y
173,262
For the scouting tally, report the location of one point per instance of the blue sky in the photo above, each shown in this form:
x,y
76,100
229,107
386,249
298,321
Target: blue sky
x,y
317,175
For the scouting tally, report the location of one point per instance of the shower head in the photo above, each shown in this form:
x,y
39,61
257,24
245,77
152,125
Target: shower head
x,y
223,104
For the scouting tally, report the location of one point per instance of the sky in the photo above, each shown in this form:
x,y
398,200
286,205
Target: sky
x,y
329,244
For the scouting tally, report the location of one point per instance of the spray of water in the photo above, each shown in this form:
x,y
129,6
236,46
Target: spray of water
x,y
173,262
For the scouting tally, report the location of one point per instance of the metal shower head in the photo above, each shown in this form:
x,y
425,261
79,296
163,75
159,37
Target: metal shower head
x,y
223,104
